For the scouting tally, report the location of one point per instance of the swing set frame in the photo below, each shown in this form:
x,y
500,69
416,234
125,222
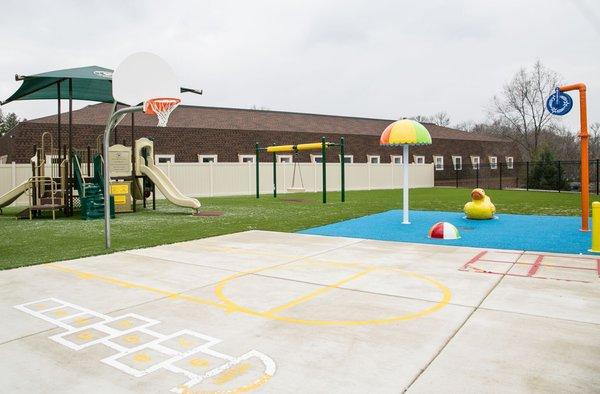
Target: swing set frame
x,y
323,146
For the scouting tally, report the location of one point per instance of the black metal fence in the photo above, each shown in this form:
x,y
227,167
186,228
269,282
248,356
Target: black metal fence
x,y
556,175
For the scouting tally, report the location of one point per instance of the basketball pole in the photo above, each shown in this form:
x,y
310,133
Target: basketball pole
x,y
115,118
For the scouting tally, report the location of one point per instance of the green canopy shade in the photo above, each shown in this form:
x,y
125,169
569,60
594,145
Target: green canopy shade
x,y
91,83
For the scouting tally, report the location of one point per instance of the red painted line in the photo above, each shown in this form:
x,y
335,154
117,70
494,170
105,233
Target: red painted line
x,y
598,266
473,260
560,255
533,277
536,265
505,252
498,261
561,266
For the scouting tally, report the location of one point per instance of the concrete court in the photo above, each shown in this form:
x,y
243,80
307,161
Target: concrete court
x,y
285,313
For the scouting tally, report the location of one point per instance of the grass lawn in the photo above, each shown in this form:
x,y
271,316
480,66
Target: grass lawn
x,y
24,242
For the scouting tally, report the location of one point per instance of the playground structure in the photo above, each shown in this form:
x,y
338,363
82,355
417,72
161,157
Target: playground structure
x,y
405,132
92,83
145,167
480,207
314,146
47,187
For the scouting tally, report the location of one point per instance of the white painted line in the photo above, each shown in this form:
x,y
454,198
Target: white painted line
x,y
159,344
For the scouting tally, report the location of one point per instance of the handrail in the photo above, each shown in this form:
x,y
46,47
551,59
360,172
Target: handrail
x,y
64,177
44,180
79,180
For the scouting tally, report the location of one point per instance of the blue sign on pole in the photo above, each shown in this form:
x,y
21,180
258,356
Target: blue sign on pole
x,y
559,103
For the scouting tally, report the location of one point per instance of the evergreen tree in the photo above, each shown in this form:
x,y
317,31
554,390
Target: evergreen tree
x,y
546,173
8,122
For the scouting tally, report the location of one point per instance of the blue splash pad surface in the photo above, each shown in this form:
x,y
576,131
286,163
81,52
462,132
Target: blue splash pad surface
x,y
559,234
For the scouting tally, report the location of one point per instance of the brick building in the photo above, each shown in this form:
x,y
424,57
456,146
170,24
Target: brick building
x,y
228,135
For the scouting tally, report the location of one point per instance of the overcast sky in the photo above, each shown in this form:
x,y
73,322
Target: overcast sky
x,y
384,59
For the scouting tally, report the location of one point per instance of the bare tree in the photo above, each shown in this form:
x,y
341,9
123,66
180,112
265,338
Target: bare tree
x,y
420,118
440,118
521,106
595,140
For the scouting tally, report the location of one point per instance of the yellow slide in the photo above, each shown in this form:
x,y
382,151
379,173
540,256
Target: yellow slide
x,y
10,196
167,188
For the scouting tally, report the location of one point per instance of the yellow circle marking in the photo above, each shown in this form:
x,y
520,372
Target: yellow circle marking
x,y
185,343
80,321
199,362
132,339
125,323
444,300
85,335
142,358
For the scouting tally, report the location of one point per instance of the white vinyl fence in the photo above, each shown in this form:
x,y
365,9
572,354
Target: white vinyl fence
x,y
236,179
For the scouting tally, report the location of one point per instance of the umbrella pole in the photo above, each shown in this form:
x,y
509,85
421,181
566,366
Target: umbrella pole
x,y
405,186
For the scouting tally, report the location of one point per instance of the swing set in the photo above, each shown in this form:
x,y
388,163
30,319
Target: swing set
x,y
323,146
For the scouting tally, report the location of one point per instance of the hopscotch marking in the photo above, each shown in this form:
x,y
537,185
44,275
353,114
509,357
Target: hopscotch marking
x,y
84,328
535,266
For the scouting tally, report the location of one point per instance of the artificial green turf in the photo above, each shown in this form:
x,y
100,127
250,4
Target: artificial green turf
x,y
24,242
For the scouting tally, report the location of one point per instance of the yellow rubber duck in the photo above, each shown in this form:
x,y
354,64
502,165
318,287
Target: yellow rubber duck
x,y
480,207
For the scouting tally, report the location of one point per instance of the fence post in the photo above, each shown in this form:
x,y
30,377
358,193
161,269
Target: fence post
x,y
211,177
13,174
559,177
477,175
597,183
89,159
324,165
456,176
342,170
527,177
274,175
500,168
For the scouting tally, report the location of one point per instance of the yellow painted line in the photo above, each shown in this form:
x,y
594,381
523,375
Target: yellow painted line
x,y
130,285
317,292
230,306
231,373
242,389
445,300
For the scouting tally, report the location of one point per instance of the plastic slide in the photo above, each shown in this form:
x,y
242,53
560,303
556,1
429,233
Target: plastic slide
x,y
10,196
167,188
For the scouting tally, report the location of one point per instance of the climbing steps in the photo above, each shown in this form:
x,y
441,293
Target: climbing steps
x,y
91,195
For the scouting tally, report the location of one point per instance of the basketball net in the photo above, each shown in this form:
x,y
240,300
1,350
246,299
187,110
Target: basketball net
x,y
162,108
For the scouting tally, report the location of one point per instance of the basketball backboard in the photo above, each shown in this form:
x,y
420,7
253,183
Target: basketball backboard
x,y
142,76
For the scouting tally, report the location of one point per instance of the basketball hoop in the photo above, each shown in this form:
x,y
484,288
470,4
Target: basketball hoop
x,y
162,108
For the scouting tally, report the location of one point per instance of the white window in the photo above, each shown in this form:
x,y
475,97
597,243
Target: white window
x,y
493,162
475,161
3,159
347,158
246,158
164,158
284,158
510,162
438,161
419,159
207,158
396,159
372,159
457,162
316,158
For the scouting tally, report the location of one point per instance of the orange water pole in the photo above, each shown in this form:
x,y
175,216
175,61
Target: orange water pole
x,y
584,136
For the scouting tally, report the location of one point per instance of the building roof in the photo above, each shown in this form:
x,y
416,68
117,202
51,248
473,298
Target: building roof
x,y
198,117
